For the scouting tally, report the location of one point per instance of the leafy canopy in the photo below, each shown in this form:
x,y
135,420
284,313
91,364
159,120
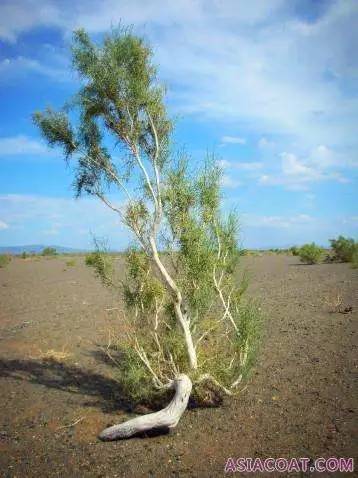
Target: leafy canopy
x,y
169,204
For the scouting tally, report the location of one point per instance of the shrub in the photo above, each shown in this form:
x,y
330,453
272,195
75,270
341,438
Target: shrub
x,y
310,253
344,249
70,263
294,250
355,259
102,263
90,259
4,260
24,255
49,251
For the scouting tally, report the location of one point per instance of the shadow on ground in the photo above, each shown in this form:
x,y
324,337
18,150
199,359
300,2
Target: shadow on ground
x,y
51,373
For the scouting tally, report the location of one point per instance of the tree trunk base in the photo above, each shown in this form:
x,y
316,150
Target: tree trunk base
x,y
164,419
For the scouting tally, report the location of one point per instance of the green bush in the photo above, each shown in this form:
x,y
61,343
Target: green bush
x,y
70,263
102,263
344,249
4,260
24,255
355,259
49,251
90,259
294,250
310,253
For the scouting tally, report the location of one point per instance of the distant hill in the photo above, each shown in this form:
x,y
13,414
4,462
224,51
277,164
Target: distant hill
x,y
37,249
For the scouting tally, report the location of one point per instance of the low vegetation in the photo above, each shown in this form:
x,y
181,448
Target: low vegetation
x,y
310,253
71,263
344,249
4,260
49,251
294,250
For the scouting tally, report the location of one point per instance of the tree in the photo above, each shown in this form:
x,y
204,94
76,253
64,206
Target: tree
x,y
189,328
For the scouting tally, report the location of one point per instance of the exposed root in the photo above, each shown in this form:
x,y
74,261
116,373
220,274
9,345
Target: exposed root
x,y
166,418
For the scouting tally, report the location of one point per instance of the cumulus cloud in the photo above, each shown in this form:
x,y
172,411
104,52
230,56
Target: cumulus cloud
x,y
18,16
22,145
267,63
321,164
71,221
3,225
232,140
265,143
240,165
20,67
229,182
277,221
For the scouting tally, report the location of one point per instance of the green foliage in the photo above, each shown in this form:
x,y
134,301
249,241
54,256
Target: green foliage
x,y
4,260
218,351
354,259
169,204
90,259
102,263
345,249
136,383
57,130
294,250
310,253
120,90
71,263
24,255
141,290
49,251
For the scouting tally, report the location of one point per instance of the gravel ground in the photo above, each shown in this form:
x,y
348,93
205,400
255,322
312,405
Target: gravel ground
x,y
300,400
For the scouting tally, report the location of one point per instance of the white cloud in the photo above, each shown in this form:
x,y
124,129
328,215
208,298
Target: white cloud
x,y
350,220
265,143
22,145
248,166
33,219
258,62
293,167
233,140
20,66
3,225
229,182
256,65
223,163
18,16
240,165
281,222
296,173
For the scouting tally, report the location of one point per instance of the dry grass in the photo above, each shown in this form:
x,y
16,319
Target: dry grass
x,y
57,355
335,303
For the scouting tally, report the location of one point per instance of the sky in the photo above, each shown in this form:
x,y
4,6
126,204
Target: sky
x,y
269,86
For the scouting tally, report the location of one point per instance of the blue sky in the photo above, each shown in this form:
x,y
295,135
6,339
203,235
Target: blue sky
x,y
269,85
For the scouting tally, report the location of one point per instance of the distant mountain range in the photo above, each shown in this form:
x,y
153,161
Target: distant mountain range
x,y
37,249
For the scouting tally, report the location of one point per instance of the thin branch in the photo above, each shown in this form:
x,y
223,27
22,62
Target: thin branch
x,y
72,424
143,356
110,205
207,377
136,155
155,165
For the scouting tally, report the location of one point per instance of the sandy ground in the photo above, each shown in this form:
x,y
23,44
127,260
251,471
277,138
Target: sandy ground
x,y
299,401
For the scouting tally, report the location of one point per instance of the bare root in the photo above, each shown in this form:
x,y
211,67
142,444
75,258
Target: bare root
x,y
166,418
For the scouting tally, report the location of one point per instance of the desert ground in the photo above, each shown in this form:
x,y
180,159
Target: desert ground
x,y
58,391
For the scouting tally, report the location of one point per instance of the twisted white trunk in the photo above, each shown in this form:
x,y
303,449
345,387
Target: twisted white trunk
x,y
166,418
183,321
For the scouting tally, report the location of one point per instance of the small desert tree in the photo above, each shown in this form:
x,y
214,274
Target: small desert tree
x,y
189,328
